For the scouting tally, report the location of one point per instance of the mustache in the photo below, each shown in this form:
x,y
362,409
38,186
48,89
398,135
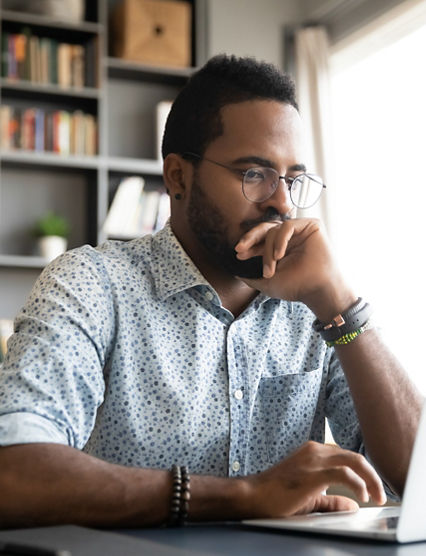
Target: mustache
x,y
270,215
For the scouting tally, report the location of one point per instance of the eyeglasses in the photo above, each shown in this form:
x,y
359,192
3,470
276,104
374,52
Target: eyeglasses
x,y
260,183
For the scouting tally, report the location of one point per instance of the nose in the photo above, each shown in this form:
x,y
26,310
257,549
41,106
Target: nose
x,y
280,200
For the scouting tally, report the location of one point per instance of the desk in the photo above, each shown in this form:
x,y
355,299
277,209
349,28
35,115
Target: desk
x,y
203,540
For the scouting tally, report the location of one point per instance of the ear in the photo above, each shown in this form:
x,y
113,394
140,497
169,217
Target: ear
x,y
177,174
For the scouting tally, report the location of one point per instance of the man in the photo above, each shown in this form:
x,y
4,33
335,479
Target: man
x,y
195,349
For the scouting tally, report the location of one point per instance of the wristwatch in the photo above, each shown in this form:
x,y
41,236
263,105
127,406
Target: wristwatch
x,y
344,323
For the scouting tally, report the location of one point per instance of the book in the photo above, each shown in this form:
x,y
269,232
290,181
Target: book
x,y
123,212
39,117
5,117
44,65
6,330
53,61
12,71
77,65
163,212
34,59
91,135
64,134
5,55
27,138
64,65
15,128
20,50
147,213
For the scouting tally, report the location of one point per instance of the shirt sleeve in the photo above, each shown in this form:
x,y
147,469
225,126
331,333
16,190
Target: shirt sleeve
x,y
52,381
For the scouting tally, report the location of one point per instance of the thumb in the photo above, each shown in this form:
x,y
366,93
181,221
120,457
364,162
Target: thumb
x,y
332,503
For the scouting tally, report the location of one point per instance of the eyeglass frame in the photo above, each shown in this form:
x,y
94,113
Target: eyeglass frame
x,y
287,179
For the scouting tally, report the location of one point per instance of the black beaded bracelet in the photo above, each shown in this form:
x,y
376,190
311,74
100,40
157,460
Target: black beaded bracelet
x,y
181,495
185,496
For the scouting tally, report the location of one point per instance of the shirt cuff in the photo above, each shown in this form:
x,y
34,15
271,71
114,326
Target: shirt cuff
x,y
25,428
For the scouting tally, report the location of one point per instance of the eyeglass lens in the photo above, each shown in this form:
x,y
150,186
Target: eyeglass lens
x,y
260,183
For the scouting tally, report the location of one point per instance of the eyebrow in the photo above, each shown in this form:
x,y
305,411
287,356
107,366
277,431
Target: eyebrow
x,y
265,162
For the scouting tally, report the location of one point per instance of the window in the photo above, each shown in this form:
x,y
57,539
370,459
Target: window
x,y
379,195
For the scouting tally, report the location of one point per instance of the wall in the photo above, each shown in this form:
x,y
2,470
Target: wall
x,y
250,27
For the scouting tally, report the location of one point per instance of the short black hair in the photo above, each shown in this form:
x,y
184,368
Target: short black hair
x,y
194,119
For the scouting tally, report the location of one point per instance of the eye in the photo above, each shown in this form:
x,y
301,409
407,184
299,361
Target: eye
x,y
291,179
254,175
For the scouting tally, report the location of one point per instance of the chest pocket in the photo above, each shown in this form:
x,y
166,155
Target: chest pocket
x,y
285,407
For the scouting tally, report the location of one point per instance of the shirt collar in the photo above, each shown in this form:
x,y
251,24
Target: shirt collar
x,y
173,270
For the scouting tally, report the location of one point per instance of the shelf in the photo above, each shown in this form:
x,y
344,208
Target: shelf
x,y
22,261
128,165
48,89
117,164
33,20
36,158
119,68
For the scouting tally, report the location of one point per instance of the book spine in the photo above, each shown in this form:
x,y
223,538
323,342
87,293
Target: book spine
x,y
64,65
48,132
64,133
27,58
5,55
28,129
15,128
12,72
55,134
39,130
5,113
54,62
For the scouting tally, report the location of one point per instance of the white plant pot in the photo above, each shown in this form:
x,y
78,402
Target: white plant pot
x,y
51,247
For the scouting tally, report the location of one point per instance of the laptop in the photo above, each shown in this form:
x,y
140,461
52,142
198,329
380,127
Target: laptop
x,y
404,523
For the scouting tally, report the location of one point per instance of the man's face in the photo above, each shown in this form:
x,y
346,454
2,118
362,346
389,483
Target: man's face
x,y
256,133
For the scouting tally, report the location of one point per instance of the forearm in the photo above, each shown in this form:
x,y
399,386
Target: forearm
x,y
44,484
388,405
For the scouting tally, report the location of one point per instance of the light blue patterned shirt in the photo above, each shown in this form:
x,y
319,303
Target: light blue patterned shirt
x,y
126,352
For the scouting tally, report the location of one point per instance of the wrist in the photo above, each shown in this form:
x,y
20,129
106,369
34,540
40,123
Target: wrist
x,y
327,304
219,498
347,325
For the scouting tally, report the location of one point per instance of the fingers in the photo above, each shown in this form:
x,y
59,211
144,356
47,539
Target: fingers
x,y
251,243
346,476
270,240
297,484
334,503
364,471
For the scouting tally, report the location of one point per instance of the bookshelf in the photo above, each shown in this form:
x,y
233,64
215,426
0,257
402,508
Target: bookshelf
x,y
122,97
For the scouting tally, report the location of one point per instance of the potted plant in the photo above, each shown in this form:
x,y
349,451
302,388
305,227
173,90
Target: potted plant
x,y
52,231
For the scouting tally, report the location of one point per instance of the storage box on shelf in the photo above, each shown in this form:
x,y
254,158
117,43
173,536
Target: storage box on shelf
x,y
152,32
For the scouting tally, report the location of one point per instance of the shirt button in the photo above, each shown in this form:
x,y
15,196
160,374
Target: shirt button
x,y
236,466
238,394
209,296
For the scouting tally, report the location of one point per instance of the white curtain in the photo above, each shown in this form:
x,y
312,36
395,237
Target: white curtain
x,y
313,93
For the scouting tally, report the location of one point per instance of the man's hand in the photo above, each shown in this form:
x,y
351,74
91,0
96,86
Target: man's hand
x,y
297,265
297,484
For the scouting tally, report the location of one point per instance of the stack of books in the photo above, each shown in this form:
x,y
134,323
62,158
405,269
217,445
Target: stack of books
x,y
56,131
43,60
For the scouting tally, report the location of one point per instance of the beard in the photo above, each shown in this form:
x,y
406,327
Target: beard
x,y
210,228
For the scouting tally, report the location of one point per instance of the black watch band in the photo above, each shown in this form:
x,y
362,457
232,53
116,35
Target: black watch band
x,y
344,323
